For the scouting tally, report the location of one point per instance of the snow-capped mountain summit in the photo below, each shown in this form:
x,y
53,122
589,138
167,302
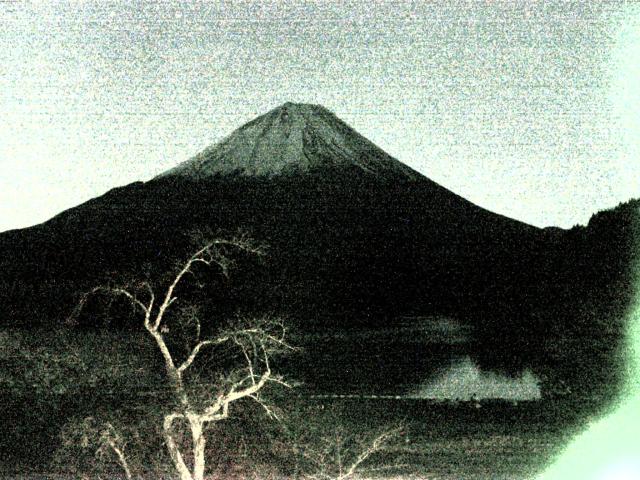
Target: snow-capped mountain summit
x,y
291,138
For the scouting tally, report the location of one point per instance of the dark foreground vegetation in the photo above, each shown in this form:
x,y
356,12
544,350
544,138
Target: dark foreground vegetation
x,y
84,383
91,390
344,252
468,440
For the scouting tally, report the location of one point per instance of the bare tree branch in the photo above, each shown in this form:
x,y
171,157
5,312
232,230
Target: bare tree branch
x,y
194,353
333,461
207,255
109,437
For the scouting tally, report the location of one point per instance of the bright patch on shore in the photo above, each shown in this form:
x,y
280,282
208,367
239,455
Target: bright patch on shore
x,y
465,381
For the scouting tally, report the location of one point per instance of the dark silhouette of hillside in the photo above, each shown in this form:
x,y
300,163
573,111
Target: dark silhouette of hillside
x,y
355,240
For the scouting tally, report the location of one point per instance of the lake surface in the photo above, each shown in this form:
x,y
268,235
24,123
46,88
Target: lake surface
x,y
422,357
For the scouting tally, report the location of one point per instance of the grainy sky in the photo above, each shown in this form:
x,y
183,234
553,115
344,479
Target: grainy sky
x,y
528,108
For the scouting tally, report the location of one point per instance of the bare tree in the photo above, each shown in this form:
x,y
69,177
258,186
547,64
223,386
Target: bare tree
x,y
255,341
342,456
108,441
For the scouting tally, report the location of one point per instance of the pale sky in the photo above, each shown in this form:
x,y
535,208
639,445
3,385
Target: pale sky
x,y
527,108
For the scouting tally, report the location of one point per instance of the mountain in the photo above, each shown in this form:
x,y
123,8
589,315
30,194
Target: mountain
x,y
356,242
290,139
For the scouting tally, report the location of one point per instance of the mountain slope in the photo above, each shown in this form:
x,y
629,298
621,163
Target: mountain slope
x,y
292,138
355,240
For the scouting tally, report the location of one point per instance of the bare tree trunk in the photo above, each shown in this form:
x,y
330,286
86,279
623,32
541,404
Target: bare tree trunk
x,y
199,442
174,451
